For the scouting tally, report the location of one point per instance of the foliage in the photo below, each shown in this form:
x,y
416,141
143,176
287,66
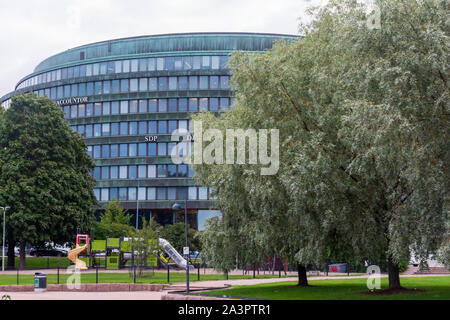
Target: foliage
x,y
218,247
434,288
175,234
44,173
114,220
144,243
363,121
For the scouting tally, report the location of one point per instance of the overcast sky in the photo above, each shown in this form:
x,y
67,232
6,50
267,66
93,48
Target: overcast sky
x,y
34,30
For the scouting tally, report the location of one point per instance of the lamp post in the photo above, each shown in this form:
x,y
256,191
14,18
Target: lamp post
x,y
4,232
177,207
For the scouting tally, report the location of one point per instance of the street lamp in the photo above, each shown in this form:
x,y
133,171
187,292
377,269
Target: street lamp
x,y
177,207
4,232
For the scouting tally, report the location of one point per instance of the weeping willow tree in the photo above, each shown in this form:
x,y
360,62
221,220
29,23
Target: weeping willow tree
x,y
363,124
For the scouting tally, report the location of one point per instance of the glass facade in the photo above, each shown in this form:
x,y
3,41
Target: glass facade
x,y
149,86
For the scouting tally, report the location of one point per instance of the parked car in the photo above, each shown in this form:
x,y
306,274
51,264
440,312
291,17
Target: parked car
x,y
47,252
16,250
194,254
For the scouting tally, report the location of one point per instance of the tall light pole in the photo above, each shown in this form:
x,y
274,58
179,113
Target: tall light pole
x,y
137,206
177,207
4,232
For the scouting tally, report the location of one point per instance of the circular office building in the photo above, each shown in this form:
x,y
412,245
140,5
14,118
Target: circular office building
x,y
126,97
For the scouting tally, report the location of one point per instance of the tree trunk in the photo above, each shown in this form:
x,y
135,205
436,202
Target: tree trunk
x,y
11,255
22,263
302,280
394,274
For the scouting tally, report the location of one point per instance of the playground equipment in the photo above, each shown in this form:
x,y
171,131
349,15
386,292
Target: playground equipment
x,y
117,252
179,260
82,243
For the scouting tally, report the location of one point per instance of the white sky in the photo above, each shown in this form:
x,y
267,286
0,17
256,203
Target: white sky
x,y
31,31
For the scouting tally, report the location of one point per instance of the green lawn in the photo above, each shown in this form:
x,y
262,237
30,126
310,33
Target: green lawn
x,y
346,289
158,277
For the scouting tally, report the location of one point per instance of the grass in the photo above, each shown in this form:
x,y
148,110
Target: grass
x,y
157,278
438,288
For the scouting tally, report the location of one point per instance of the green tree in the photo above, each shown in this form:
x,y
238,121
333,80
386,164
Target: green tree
x,y
114,221
145,243
363,120
44,174
175,234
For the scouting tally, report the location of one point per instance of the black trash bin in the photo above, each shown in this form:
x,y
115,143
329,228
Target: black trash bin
x,y
40,282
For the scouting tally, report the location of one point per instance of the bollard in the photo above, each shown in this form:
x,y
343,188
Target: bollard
x,y
168,273
134,274
279,269
198,272
57,278
17,275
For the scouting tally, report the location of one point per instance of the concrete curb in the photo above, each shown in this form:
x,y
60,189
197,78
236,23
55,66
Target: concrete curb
x,y
100,287
182,297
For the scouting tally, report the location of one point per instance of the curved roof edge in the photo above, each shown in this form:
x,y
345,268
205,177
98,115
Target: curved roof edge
x,y
172,42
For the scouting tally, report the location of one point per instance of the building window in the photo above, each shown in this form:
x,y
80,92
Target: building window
x,y
132,172
132,152
115,107
106,108
142,171
123,128
123,150
114,150
115,128
193,104
162,173
123,194
143,84
192,193
152,171
123,107
203,193
124,85
114,172
142,149
113,193
142,193
151,193
105,194
193,82
172,105
161,193
123,173
214,82
203,82
133,85
162,105
105,173
105,129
